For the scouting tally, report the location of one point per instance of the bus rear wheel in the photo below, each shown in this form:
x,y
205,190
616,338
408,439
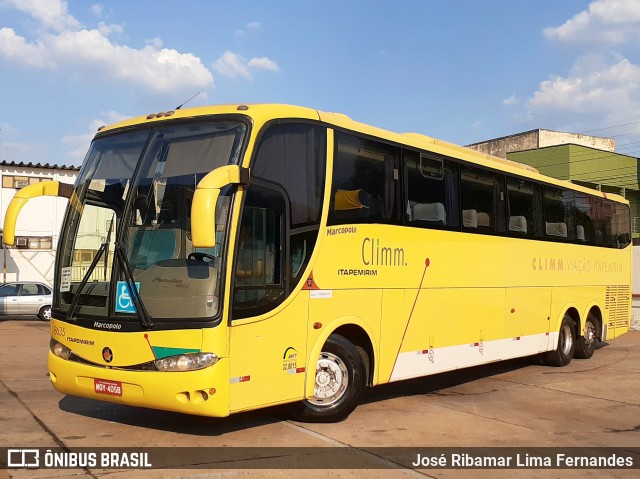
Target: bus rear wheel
x,y
586,345
562,355
339,383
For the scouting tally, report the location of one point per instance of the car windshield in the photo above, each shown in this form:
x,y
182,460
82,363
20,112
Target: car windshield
x,y
129,224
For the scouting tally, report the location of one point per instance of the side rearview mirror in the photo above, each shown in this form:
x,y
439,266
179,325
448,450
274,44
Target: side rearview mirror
x,y
205,198
45,188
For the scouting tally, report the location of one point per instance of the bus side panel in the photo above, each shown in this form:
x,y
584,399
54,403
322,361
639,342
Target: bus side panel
x,y
445,330
526,322
268,356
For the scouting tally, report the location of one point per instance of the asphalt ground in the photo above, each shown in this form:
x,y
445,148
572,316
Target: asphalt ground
x,y
519,403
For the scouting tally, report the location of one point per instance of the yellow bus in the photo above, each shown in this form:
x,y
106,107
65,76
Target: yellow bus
x,y
221,259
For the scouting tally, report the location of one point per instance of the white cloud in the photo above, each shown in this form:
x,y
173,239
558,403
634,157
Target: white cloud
x,y
52,14
79,143
512,100
97,10
263,63
611,22
249,26
607,95
90,54
15,48
603,86
233,65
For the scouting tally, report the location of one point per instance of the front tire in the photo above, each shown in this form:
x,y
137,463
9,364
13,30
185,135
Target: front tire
x,y
586,345
339,383
45,313
562,355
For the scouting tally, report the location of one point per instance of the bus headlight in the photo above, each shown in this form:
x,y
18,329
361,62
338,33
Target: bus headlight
x,y
59,349
186,362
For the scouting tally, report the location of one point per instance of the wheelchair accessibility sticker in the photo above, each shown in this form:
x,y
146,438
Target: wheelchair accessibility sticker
x,y
124,301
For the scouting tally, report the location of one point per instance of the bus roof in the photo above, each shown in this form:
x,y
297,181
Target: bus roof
x,y
262,113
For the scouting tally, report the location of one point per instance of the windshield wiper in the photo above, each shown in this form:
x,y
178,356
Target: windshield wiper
x,y
120,254
85,280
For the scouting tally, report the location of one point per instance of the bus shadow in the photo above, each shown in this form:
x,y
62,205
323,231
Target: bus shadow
x,y
211,427
434,383
166,420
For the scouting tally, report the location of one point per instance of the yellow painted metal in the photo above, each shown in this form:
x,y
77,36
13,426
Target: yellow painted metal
x,y
203,209
45,188
204,392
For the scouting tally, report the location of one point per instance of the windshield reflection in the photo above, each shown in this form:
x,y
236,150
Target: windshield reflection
x,y
126,244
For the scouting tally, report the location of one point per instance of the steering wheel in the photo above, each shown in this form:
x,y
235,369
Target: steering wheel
x,y
199,256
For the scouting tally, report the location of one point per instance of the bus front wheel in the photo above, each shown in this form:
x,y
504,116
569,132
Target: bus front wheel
x,y
562,355
339,383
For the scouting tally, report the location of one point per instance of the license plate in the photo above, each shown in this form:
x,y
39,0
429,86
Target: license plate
x,y
111,388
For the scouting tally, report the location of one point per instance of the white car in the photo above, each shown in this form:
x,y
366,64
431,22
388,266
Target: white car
x,y
26,298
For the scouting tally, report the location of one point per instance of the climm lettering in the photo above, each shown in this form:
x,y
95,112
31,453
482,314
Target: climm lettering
x,y
375,254
548,264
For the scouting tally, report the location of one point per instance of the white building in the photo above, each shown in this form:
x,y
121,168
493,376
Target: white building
x,y
38,227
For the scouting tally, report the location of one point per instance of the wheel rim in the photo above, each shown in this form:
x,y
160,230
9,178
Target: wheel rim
x,y
46,314
589,334
566,339
332,379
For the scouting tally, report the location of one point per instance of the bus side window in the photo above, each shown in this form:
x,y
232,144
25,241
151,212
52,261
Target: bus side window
x,y
365,181
483,191
431,185
559,214
525,212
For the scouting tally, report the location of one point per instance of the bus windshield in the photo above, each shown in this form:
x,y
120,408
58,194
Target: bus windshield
x,y
130,225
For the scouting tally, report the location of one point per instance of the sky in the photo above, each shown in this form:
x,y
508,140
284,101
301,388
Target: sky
x,y
464,71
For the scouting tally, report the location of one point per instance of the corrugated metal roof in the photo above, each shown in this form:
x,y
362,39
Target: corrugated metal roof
x,y
49,166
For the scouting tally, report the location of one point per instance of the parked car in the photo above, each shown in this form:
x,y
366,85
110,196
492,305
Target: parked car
x,y
26,298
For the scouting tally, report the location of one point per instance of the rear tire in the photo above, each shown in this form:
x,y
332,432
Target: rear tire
x,y
562,355
339,383
45,313
586,345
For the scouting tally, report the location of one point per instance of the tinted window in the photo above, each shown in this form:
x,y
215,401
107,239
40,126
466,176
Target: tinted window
x,y
9,290
483,200
293,156
525,212
365,177
432,191
559,214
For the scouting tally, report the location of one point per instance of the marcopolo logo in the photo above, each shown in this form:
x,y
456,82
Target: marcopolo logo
x,y
376,254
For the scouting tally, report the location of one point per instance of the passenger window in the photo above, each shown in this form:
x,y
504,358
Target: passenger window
x,y
365,178
559,214
525,208
598,221
482,197
432,191
29,289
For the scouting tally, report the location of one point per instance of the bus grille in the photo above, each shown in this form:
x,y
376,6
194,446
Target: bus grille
x,y
617,303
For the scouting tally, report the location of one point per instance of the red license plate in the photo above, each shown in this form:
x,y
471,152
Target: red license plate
x,y
112,388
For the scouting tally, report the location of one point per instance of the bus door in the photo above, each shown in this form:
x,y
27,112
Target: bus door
x,y
267,335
